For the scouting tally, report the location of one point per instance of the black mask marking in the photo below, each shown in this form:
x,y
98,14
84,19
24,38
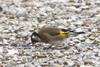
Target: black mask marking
x,y
36,35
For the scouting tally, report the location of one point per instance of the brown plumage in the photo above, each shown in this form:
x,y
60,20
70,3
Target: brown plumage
x,y
51,34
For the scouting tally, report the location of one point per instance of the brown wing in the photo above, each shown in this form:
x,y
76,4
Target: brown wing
x,y
49,34
50,30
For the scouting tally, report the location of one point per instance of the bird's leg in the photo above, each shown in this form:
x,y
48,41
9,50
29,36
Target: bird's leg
x,y
49,47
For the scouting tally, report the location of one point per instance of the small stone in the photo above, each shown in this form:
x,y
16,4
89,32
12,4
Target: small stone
x,y
13,63
97,3
18,36
17,2
84,7
1,8
21,65
57,65
11,17
82,39
76,64
41,56
76,40
87,23
65,63
8,65
12,52
57,53
21,53
1,65
92,37
21,12
74,18
84,66
26,46
23,34
79,22
6,31
72,0
70,63
97,34
12,38
88,41
1,15
52,5
45,65
39,66
88,62
90,48
29,5
1,40
72,8
5,50
13,44
94,30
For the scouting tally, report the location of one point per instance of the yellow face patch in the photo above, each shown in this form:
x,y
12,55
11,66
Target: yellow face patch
x,y
62,32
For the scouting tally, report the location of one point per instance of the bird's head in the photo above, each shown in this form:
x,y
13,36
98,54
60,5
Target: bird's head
x,y
35,37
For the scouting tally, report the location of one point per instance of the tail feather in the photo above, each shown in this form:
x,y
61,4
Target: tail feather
x,y
70,32
75,33
64,30
80,32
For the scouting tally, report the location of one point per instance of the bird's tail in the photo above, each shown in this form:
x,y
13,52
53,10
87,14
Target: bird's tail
x,y
75,33
70,32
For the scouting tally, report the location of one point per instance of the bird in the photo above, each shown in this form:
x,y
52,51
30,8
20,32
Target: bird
x,y
52,34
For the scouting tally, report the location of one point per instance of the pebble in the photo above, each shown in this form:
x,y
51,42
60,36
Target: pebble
x,y
85,66
87,23
72,0
57,65
21,12
79,22
1,9
57,53
23,34
28,65
12,52
76,40
84,7
1,65
41,56
88,62
13,63
12,38
70,63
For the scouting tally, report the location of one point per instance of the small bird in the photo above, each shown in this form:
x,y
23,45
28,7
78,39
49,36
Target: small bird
x,y
52,34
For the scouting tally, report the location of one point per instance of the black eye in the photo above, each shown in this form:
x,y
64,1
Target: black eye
x,y
36,34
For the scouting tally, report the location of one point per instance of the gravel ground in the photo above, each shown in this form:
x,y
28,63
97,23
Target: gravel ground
x,y
18,18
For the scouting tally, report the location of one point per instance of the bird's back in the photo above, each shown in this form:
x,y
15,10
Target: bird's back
x,y
50,34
